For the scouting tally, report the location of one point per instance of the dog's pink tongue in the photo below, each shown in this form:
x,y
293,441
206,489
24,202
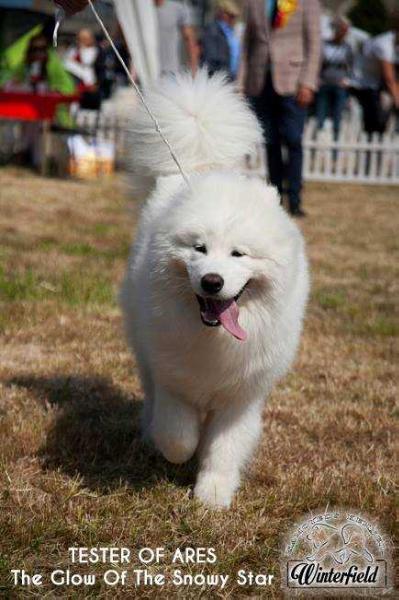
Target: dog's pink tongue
x,y
227,313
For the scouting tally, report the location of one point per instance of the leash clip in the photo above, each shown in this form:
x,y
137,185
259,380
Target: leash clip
x,y
59,16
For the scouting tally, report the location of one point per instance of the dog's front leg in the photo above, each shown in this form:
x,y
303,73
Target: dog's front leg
x,y
229,441
175,427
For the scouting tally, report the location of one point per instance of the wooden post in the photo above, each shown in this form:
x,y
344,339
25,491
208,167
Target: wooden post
x,y
46,147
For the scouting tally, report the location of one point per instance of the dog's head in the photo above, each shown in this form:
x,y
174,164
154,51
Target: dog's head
x,y
227,242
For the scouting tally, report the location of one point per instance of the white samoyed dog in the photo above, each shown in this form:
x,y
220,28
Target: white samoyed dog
x,y
216,285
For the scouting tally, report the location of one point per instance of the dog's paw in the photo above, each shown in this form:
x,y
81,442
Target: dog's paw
x,y
176,451
215,489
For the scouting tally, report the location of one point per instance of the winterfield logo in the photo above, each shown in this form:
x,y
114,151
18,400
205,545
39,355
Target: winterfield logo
x,y
305,574
338,549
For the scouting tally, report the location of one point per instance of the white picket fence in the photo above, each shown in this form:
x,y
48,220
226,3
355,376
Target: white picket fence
x,y
108,127
352,158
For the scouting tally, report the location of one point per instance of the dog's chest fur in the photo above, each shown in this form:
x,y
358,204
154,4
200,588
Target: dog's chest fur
x,y
209,363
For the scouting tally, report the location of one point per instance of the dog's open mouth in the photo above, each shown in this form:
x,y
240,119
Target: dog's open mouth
x,y
216,312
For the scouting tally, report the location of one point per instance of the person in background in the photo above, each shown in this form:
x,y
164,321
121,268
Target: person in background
x,y
31,64
175,25
220,44
336,72
36,64
280,74
379,72
110,73
83,61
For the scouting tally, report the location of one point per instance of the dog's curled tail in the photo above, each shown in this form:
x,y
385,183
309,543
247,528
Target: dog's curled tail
x,y
207,123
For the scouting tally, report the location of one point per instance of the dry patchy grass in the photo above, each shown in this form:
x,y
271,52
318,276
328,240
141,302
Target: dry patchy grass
x,y
72,468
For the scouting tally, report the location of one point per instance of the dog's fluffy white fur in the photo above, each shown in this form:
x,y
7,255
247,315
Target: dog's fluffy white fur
x,y
204,388
206,122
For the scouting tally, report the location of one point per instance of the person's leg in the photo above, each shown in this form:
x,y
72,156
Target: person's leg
x,y
322,103
266,107
381,115
369,100
292,122
372,116
339,98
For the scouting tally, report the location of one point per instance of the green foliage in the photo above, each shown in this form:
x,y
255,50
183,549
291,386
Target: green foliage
x,y
370,16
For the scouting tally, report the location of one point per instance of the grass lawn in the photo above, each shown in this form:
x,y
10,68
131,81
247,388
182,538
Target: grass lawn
x,y
73,471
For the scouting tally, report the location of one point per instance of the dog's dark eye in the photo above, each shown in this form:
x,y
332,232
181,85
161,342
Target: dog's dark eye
x,y
237,253
200,248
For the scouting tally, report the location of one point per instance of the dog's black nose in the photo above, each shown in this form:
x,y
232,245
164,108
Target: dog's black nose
x,y
212,283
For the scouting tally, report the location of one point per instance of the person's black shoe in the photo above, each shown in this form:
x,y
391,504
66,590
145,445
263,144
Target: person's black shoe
x,y
297,212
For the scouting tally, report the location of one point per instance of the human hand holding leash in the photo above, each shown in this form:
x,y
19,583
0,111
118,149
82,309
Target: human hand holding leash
x,y
71,6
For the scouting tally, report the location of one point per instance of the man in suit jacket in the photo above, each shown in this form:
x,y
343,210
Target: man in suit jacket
x,y
282,47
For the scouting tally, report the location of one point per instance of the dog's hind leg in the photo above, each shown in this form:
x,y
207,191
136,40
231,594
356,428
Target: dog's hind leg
x,y
229,441
175,427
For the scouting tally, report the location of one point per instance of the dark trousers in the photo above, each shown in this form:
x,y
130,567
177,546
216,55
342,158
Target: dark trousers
x,y
330,102
374,117
283,121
